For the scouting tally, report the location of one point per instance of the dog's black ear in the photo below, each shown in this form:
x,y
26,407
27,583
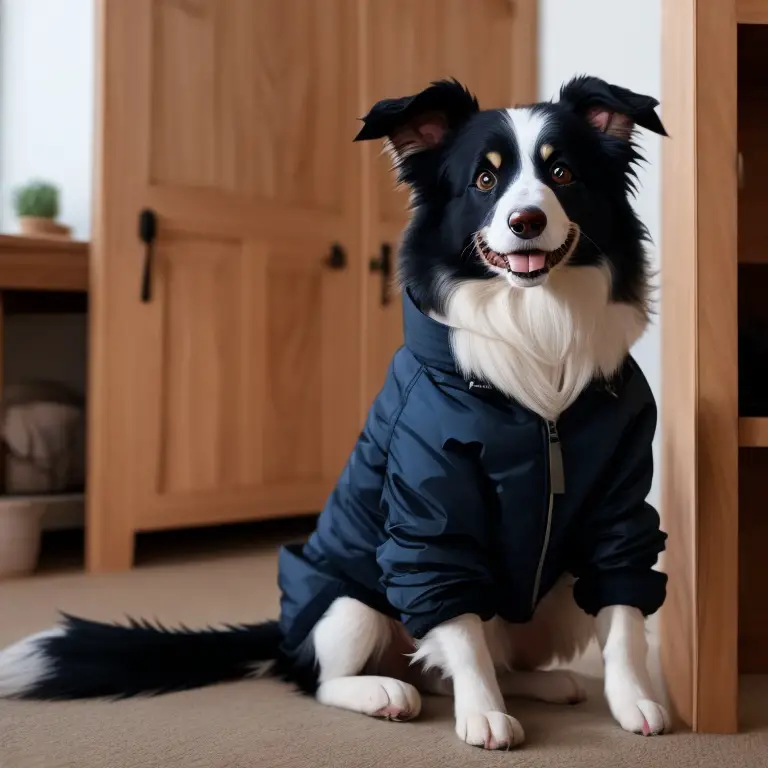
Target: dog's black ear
x,y
415,123
611,109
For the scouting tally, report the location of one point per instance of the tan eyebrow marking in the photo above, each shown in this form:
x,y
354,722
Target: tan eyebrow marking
x,y
546,150
494,158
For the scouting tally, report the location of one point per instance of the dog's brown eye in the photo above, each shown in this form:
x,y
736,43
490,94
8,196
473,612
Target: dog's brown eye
x,y
485,181
561,174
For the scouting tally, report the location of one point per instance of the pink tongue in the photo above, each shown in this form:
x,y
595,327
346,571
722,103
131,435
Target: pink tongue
x,y
519,262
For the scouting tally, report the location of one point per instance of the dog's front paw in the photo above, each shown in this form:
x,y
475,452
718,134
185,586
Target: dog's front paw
x,y
642,716
633,709
489,730
374,696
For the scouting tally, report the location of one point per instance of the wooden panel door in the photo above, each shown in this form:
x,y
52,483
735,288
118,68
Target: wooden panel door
x,y
232,393
488,45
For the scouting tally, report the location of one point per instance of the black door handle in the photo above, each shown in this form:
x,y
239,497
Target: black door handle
x,y
147,234
337,258
384,265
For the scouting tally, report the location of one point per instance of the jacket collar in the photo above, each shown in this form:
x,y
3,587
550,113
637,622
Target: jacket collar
x,y
430,343
428,340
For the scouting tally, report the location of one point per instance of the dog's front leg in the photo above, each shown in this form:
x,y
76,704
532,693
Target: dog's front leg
x,y
621,632
459,648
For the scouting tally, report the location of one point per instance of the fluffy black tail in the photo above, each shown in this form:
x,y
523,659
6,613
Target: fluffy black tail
x,y
82,659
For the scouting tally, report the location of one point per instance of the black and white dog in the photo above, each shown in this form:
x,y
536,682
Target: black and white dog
x,y
492,518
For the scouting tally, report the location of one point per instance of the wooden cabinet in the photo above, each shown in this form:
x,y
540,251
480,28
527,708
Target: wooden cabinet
x,y
237,389
714,279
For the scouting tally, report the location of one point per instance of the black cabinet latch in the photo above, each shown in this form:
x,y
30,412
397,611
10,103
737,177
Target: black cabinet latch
x,y
337,258
147,234
384,265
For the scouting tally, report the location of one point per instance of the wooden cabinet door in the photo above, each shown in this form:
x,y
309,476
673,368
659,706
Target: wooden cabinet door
x,y
488,45
233,392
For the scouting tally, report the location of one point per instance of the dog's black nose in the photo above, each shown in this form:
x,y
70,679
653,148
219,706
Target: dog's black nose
x,y
528,222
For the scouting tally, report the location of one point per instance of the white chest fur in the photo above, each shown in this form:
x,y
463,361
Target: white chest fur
x,y
542,346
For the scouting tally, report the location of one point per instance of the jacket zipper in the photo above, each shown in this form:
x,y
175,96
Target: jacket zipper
x,y
556,486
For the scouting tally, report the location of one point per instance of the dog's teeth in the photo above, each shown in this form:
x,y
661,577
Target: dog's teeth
x,y
509,267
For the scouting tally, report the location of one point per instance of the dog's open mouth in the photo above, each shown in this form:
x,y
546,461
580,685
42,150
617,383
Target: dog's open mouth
x,y
528,264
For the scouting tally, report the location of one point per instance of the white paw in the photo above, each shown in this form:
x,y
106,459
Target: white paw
x,y
632,706
621,631
490,730
372,695
642,716
557,687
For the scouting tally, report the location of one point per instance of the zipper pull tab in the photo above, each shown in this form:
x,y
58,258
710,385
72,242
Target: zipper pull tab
x,y
556,471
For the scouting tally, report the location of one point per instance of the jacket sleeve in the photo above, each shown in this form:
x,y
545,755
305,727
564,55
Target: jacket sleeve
x,y
620,537
433,562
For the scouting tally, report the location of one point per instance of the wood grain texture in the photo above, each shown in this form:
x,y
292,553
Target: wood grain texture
x,y
42,264
236,85
202,382
678,307
752,11
110,500
699,416
233,393
717,366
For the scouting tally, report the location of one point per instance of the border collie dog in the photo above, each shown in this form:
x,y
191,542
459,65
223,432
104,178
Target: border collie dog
x,y
492,518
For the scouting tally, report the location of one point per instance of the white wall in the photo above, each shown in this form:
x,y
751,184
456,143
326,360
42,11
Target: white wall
x,y
620,41
46,131
46,103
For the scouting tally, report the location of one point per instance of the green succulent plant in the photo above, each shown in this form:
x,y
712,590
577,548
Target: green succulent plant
x,y
38,198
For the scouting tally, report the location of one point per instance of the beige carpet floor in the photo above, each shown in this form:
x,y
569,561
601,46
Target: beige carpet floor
x,y
263,724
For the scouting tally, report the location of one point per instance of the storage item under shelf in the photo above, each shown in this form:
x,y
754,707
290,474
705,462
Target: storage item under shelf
x,y
22,519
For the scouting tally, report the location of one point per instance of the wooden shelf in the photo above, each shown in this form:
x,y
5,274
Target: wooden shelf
x,y
753,432
752,11
41,264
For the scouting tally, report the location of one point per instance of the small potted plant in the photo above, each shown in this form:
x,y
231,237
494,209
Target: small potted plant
x,y
37,206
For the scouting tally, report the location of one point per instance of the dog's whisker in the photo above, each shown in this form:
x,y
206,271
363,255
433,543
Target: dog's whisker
x,y
599,249
472,245
467,248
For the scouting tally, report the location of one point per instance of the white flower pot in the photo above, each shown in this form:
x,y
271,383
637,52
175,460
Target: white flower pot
x,y
19,536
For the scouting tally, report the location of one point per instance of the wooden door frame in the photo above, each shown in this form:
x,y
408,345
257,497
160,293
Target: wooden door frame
x,y
699,627
109,537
